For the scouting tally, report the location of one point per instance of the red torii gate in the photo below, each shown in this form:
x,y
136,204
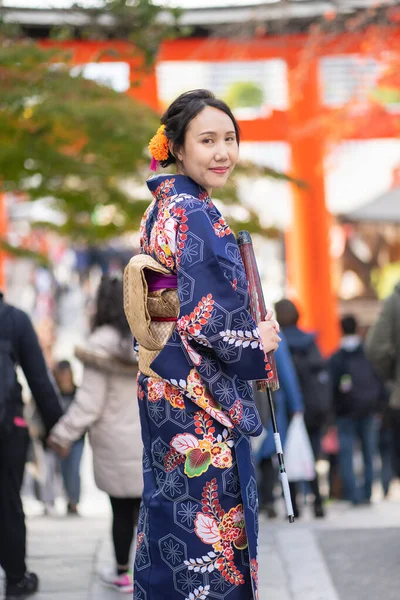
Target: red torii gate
x,y
309,264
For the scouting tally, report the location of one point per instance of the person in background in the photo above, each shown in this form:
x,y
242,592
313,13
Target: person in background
x,y
70,465
106,406
330,450
383,350
48,485
385,447
288,401
314,383
357,394
19,346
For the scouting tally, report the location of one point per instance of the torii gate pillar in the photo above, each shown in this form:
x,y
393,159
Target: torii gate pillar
x,y
307,243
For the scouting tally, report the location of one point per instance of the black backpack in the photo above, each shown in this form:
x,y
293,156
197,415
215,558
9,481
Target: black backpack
x,y
360,388
8,376
315,384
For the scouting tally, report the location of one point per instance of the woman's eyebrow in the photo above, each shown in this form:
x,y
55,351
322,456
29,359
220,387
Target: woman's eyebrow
x,y
214,133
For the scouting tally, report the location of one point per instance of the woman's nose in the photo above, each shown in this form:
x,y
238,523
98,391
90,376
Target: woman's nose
x,y
222,152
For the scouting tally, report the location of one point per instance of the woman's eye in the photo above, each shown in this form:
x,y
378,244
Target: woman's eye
x,y
207,141
230,139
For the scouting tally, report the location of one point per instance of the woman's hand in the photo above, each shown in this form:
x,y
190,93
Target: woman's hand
x,y
60,450
269,330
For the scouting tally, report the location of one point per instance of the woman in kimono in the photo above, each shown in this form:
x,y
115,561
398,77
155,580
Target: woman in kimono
x,y
198,524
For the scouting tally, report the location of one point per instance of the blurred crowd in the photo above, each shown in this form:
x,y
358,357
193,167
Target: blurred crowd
x,y
350,408
347,408
49,429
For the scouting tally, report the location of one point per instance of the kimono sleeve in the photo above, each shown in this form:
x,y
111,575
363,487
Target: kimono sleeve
x,y
213,315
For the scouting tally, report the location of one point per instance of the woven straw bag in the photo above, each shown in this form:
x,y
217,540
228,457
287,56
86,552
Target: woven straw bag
x,y
140,306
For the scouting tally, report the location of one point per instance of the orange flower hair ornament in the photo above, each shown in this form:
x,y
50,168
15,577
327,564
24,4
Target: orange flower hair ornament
x,y
158,148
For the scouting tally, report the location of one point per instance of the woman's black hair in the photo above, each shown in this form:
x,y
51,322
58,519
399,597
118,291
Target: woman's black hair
x,y
110,305
185,108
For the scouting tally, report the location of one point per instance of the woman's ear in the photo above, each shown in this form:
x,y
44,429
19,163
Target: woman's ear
x,y
174,152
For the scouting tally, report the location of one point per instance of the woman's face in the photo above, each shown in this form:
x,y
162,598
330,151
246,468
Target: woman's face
x,y
210,151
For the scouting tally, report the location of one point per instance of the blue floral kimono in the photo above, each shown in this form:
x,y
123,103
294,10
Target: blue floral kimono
x,y
198,524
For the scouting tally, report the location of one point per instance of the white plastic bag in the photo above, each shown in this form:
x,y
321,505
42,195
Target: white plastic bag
x,y
299,457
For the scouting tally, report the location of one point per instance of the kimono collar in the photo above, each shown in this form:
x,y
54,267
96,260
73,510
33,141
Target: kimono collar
x,y
170,185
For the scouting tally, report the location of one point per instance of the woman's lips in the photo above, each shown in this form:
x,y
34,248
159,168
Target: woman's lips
x,y
220,170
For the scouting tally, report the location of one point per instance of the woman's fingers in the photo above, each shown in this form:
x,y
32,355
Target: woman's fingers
x,y
61,450
271,325
269,335
276,325
269,318
276,339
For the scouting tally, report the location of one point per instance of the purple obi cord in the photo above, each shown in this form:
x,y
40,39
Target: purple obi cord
x,y
159,281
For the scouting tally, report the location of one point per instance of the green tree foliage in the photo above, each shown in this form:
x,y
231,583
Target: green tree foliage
x,y
70,139
73,140
244,94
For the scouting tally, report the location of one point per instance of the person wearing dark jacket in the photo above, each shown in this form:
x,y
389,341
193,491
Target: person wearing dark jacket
x,y
314,381
357,395
70,465
383,350
288,402
17,334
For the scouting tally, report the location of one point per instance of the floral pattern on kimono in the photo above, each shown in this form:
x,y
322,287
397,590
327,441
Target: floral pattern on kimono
x,y
198,525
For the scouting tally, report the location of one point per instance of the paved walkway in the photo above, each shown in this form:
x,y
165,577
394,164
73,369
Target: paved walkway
x,y
353,554
328,559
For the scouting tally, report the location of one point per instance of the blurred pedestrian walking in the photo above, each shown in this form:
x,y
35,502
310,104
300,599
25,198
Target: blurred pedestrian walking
x,y
330,450
383,350
357,394
288,401
106,406
385,448
70,465
50,486
314,382
19,346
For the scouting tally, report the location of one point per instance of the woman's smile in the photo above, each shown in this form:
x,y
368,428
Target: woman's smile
x,y
219,170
